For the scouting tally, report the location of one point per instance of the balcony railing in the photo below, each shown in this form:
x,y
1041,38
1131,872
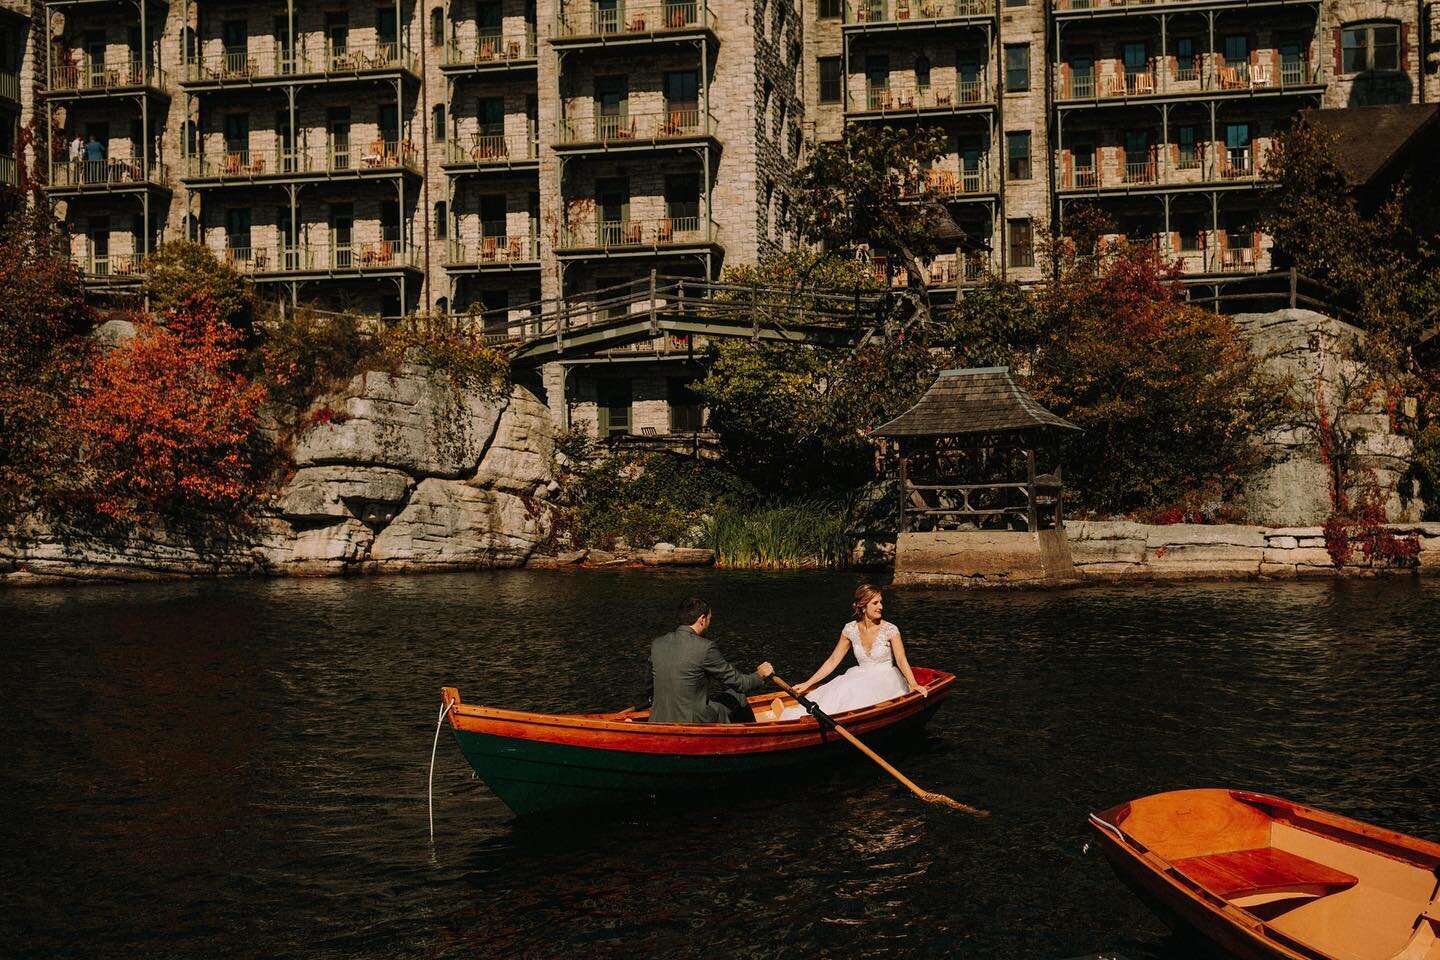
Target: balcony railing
x,y
1210,164
497,150
245,164
106,173
491,47
901,99
950,270
1066,5
305,258
898,11
9,85
680,122
619,234
594,20
112,265
306,59
956,180
65,78
9,172
1204,72
494,249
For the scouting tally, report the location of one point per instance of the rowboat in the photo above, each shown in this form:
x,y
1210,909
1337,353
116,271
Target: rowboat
x,y
1263,878
538,762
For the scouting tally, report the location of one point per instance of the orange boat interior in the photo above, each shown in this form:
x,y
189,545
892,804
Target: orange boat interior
x,y
1319,885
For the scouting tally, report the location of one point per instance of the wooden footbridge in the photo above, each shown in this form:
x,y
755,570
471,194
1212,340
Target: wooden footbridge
x,y
687,307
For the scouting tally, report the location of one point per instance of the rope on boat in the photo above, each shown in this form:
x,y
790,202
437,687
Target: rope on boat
x,y
433,747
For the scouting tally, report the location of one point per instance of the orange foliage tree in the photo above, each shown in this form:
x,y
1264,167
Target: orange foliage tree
x,y
166,422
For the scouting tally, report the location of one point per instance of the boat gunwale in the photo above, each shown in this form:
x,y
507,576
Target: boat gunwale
x,y
469,718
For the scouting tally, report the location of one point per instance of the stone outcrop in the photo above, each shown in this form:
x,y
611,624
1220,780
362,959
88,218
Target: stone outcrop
x,y
1317,354
396,472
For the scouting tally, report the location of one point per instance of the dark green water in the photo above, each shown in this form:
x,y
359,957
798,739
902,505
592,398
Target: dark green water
x,y
238,769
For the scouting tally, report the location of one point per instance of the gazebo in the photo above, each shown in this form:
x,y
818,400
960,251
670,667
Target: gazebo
x,y
981,499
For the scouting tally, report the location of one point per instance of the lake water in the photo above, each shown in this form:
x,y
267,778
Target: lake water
x,y
238,769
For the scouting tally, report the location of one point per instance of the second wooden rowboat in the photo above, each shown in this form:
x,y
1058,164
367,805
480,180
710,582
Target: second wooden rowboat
x,y
1266,879
538,762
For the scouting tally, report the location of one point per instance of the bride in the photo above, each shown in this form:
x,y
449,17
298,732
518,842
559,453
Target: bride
x,y
881,671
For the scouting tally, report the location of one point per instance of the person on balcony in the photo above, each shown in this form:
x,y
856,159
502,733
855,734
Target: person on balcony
x,y
94,159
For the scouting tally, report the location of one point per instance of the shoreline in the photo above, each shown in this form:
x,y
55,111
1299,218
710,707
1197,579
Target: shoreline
x,y
1104,552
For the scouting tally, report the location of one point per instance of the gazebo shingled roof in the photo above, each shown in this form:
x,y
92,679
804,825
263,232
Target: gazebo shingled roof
x,y
975,400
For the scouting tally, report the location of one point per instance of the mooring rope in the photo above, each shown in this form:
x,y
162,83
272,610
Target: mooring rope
x,y
433,747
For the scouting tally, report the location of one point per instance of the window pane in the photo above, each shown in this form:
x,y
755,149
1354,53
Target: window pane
x,y
829,9
1353,51
1237,135
830,80
1237,48
1386,48
1017,68
1022,253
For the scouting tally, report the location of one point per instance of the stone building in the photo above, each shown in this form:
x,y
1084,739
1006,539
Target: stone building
x,y
491,155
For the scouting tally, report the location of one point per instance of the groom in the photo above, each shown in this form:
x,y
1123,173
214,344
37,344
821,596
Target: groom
x,y
681,665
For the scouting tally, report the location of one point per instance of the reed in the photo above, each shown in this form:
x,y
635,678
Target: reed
x,y
775,536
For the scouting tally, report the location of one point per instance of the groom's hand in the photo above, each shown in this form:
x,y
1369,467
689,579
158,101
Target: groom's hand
x,y
765,670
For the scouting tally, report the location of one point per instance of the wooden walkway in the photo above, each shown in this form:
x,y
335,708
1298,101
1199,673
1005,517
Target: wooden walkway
x,y
683,307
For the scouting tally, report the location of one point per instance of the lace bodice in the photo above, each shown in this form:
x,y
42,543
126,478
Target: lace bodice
x,y
880,653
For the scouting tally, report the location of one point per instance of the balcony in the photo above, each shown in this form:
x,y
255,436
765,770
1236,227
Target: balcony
x,y
481,153
1210,166
1203,74
952,270
957,180
889,101
112,269
308,61
9,172
105,79
630,23
240,165
1119,8
637,235
896,14
681,125
494,253
491,50
129,175
282,262
10,86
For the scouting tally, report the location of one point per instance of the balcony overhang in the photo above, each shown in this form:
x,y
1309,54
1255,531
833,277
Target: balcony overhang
x,y
1157,189
242,83
632,38
518,64
468,268
494,166
388,271
1072,104
920,113
1177,6
969,21
99,189
698,141
639,251
108,93
276,179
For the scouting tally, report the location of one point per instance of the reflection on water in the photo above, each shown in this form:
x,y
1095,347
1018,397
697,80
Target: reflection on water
x,y
238,770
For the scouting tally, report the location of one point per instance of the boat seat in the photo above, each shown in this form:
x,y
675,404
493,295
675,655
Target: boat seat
x,y
1263,871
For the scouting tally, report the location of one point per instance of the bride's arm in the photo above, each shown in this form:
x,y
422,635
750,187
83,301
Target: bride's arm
x,y
836,656
901,661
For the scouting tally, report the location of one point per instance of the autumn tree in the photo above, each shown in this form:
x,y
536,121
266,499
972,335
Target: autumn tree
x,y
43,353
870,190
166,423
1172,401
181,270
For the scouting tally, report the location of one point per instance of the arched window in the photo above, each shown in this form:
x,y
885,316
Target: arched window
x,y
442,306
1370,46
437,27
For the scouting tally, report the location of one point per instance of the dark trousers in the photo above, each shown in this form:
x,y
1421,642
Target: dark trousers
x,y
736,705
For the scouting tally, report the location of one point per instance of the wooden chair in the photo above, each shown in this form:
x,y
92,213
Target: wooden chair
x,y
374,154
1260,75
637,23
257,165
626,133
386,252
489,247
232,164
665,232
516,250
260,258
631,234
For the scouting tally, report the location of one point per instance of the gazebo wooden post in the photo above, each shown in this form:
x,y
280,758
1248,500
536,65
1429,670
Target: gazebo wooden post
x,y
1030,486
904,497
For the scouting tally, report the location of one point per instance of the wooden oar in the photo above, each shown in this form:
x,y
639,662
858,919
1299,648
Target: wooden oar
x,y
827,721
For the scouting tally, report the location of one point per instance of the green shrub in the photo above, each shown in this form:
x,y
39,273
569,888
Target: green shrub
x,y
181,269
304,353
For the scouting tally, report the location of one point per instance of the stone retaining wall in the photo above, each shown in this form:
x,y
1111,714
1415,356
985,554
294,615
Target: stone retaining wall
x,y
1121,550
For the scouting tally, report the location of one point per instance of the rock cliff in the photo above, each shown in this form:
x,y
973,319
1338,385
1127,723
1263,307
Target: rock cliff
x,y
396,472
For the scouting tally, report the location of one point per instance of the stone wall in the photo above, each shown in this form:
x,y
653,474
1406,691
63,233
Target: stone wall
x,y
407,474
1121,550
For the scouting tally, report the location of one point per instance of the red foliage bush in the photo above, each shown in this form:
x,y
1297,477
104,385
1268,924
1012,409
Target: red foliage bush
x,y
165,421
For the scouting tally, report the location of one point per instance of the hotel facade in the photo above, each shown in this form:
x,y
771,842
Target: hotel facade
x,y
493,154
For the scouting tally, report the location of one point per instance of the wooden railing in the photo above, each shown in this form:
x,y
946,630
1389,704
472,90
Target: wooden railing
x,y
492,47
1211,163
592,20
112,265
1035,504
306,58
494,249
896,11
1111,81
9,85
482,150
898,98
118,74
678,122
304,258
241,163
106,173
612,234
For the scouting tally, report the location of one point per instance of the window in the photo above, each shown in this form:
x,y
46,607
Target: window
x,y
686,412
922,72
1022,247
1017,68
1188,229
492,215
437,123
1136,57
1016,3
830,9
437,27
682,200
1371,46
1237,50
829,79
1187,65
1017,149
1189,156
442,221
682,95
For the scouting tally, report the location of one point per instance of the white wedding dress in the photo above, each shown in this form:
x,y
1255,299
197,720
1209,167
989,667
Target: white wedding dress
x,y
873,678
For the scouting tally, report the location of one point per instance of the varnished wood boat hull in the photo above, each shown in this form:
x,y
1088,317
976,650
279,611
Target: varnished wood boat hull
x,y
1261,878
538,763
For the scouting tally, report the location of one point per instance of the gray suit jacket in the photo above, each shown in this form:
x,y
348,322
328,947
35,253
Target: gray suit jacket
x,y
681,665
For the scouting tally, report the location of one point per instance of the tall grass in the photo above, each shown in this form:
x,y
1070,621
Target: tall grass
x,y
805,533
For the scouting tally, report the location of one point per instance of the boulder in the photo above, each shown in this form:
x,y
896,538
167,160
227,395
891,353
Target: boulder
x,y
676,557
337,490
449,523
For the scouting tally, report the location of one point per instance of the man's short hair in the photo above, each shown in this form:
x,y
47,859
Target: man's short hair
x,y
690,610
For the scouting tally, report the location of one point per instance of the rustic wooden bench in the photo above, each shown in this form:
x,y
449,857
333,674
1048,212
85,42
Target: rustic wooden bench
x,y
1264,870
